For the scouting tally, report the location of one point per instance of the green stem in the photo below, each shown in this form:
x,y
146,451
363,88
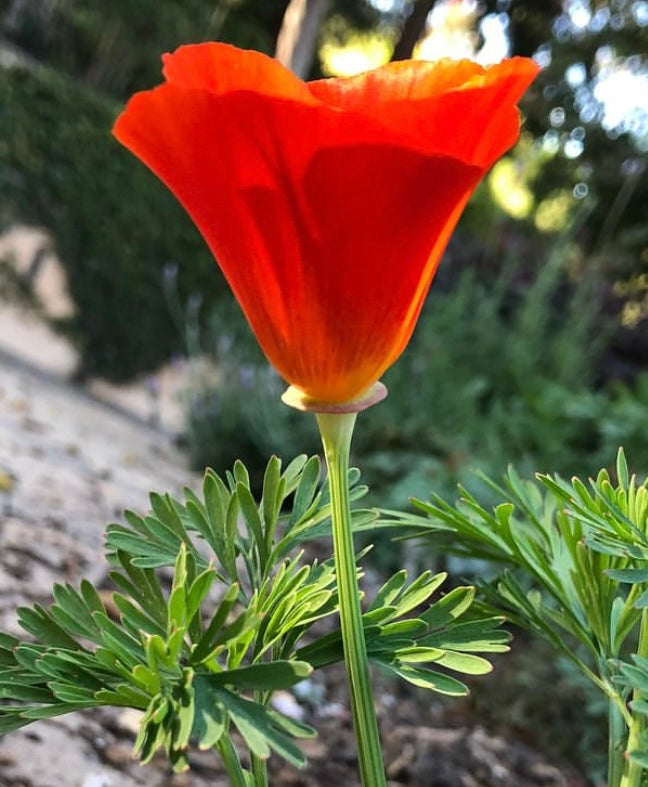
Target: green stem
x,y
231,761
633,771
260,771
617,733
336,431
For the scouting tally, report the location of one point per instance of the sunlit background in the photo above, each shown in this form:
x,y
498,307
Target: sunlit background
x,y
616,94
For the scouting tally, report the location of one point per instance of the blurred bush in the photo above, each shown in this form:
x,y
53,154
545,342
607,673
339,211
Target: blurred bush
x,y
114,226
497,372
495,376
232,406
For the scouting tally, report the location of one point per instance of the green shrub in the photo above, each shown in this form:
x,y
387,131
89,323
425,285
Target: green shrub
x,y
568,563
114,226
492,375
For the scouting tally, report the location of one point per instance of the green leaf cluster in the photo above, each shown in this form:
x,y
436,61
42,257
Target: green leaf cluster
x,y
213,611
574,569
401,645
194,673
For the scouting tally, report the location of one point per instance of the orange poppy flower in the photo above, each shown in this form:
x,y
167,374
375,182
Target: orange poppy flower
x,y
327,204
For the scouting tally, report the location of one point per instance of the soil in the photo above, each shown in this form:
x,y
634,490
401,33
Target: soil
x,y
70,462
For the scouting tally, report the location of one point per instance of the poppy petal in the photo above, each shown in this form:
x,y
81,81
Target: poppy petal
x,y
328,206
283,218
221,68
453,107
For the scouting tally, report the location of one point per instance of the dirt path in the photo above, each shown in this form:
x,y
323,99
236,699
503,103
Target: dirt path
x,y
70,464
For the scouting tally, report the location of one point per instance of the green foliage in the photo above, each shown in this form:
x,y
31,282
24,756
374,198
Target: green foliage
x,y
495,373
116,47
271,531
202,657
147,662
400,647
491,373
113,226
575,571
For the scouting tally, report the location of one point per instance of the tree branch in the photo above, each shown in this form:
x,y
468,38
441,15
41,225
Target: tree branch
x,y
413,29
298,34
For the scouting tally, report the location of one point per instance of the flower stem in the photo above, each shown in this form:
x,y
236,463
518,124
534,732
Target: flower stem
x,y
617,733
336,431
231,761
260,771
634,771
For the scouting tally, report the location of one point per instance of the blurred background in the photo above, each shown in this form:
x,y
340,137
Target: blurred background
x,y
533,345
